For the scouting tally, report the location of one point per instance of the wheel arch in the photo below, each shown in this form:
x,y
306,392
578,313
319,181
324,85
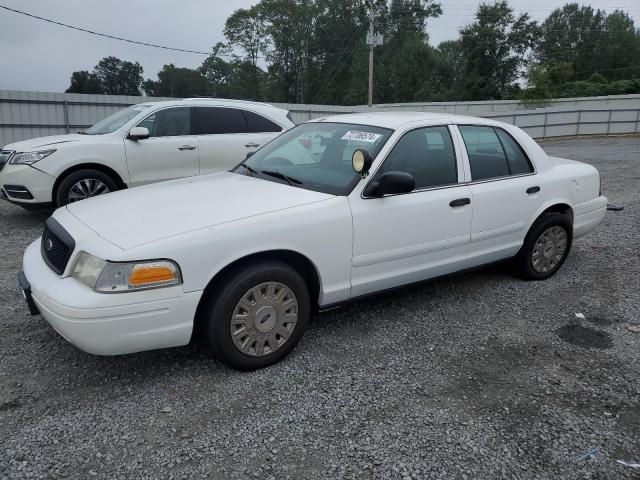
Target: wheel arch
x,y
301,263
555,206
88,166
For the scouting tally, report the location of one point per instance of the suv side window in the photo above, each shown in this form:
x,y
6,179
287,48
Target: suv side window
x,y
259,124
493,153
427,154
171,122
218,121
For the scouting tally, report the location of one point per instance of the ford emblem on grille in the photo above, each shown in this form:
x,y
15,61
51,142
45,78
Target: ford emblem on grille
x,y
48,245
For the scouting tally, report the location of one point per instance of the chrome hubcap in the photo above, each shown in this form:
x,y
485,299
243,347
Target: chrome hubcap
x,y
87,188
264,319
549,249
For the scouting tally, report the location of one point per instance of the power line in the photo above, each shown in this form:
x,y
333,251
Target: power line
x,y
105,35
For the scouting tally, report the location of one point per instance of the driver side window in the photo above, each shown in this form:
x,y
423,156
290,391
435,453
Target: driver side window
x,y
171,122
427,154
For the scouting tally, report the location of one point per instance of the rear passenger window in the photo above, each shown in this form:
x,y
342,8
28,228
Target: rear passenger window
x,y
258,124
217,121
486,156
518,161
427,154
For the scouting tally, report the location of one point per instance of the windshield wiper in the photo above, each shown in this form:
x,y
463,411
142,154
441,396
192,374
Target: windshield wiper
x,y
290,180
251,170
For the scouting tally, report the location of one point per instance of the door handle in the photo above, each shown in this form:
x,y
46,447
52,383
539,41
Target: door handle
x,y
186,147
252,145
532,190
460,202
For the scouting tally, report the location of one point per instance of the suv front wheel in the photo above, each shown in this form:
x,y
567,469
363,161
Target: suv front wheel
x,y
83,184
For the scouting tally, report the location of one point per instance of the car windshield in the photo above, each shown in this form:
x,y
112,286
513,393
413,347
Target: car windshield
x,y
316,156
115,121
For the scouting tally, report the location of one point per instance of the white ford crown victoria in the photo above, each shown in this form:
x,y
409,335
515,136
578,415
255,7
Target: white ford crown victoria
x,y
331,210
145,143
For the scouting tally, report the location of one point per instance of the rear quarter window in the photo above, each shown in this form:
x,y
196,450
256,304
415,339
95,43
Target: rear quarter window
x,y
259,124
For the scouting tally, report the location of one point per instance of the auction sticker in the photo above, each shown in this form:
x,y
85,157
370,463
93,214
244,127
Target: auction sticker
x,y
361,136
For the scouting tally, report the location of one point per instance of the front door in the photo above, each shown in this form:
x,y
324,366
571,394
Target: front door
x,y
400,239
170,152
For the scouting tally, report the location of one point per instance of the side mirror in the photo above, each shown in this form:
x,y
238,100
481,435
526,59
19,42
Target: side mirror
x,y
391,183
138,133
249,154
361,161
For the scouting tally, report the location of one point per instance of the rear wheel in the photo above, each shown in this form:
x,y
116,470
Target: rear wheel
x,y
258,315
545,248
83,184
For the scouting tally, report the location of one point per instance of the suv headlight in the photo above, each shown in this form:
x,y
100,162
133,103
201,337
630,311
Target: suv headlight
x,y
29,158
118,277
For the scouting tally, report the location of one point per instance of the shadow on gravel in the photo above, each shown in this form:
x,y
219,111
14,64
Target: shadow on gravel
x,y
585,337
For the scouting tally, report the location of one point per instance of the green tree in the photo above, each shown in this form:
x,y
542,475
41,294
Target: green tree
x,y
495,47
84,82
119,77
408,63
246,30
450,71
289,28
176,82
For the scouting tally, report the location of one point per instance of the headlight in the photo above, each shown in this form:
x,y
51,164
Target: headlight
x,y
29,158
117,277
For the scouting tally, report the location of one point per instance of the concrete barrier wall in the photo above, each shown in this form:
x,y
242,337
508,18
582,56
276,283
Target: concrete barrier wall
x,y
26,115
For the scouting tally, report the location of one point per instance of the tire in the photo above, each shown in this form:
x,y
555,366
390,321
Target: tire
x,y
548,255
224,313
90,178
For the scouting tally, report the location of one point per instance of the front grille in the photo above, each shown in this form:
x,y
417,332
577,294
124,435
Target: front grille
x,y
5,155
57,246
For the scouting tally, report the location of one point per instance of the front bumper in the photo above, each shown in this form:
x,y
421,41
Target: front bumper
x,y
38,184
109,324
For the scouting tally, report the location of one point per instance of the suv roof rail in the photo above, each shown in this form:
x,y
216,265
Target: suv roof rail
x,y
228,100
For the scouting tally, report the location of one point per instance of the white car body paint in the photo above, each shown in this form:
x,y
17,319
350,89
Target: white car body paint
x,y
357,245
138,162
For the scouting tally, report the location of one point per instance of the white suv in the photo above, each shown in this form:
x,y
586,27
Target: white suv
x,y
144,143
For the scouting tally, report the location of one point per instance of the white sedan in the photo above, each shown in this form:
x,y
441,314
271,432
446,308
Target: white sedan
x,y
331,210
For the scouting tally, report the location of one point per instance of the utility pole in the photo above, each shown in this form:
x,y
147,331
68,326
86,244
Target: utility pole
x,y
372,32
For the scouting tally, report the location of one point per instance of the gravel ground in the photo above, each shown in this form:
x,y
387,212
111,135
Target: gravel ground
x,y
477,375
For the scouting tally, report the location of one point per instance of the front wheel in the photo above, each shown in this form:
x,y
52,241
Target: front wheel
x,y
83,184
258,315
545,247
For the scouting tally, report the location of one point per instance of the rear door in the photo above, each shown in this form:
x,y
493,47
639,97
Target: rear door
x,y
170,152
227,135
505,189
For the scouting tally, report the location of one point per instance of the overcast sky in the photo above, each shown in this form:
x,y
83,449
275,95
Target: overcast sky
x,y
38,56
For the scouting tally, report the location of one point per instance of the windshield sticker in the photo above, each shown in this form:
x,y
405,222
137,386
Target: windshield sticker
x,y
361,136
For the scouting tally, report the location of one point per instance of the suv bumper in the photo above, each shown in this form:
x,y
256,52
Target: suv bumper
x,y
26,181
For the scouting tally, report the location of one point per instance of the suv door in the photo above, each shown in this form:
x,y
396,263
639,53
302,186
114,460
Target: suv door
x,y
227,135
506,192
400,239
170,151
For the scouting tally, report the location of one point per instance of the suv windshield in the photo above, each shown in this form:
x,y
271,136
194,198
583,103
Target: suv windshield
x,y
115,121
316,156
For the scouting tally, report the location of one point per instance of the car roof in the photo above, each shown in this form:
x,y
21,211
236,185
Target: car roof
x,y
396,120
215,102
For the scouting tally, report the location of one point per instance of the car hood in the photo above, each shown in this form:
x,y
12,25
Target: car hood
x,y
131,218
44,142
